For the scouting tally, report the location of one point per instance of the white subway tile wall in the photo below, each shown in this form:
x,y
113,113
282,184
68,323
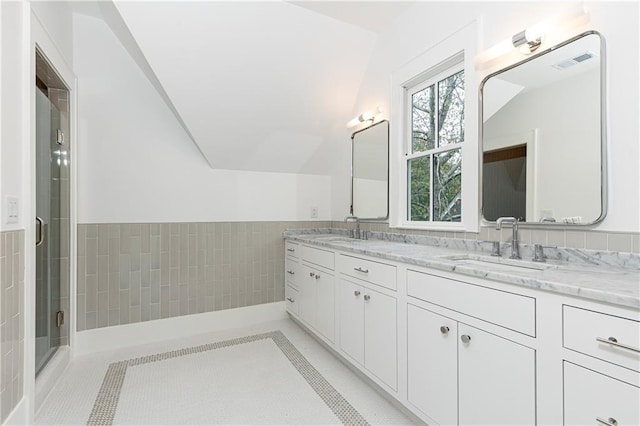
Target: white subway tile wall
x,y
129,273
11,321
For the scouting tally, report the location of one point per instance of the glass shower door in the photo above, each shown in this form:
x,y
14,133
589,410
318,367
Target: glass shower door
x,y
52,219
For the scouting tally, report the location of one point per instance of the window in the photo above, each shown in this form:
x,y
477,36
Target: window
x,y
434,155
435,109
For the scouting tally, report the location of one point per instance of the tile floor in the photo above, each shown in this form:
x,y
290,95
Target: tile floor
x,y
258,380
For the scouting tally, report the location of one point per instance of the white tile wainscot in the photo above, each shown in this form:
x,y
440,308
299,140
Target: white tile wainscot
x,y
458,348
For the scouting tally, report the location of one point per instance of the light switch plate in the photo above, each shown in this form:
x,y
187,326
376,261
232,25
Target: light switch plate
x,y
12,214
314,212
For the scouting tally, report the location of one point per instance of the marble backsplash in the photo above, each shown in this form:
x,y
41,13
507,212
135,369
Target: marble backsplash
x,y
625,260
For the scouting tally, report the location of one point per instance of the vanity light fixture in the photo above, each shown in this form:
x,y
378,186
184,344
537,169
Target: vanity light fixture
x,y
365,116
529,40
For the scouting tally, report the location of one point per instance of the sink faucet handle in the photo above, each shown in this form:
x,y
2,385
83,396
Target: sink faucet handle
x,y
495,248
538,253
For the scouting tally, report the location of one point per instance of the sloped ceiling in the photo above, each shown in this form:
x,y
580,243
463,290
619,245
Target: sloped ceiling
x,y
260,86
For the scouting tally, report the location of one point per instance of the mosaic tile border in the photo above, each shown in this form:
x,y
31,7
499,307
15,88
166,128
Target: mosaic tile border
x,y
106,403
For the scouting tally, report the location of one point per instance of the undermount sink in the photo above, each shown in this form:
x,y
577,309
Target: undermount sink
x,y
498,262
334,238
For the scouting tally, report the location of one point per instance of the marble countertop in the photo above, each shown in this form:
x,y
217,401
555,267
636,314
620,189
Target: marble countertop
x,y
600,276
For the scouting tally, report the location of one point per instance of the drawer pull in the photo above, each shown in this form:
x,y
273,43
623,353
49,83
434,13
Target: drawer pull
x,y
291,250
609,422
614,342
291,272
367,297
364,271
356,293
444,330
290,299
465,338
317,276
311,274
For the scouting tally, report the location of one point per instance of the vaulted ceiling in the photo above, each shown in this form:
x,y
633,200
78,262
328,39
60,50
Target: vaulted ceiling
x,y
260,86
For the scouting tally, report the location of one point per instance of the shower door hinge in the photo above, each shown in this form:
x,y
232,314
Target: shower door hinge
x,y
59,137
60,318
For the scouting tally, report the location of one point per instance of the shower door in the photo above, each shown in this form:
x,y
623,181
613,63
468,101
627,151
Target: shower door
x,y
52,212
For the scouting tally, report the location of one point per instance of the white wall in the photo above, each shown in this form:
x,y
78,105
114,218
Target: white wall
x,y
11,119
425,24
136,164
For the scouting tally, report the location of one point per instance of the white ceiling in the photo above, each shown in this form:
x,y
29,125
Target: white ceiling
x,y
258,85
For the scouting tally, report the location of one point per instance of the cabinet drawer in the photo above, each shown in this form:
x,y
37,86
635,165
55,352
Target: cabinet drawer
x,y
292,249
374,272
318,257
589,396
582,328
292,299
291,271
509,310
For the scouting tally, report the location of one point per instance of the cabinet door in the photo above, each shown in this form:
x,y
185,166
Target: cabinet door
x,y
433,364
325,304
306,295
589,396
496,380
380,336
351,319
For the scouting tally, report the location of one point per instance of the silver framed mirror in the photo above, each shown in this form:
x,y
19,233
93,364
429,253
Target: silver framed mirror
x,y
370,172
543,136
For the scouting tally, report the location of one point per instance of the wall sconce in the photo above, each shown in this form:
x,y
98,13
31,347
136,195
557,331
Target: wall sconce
x,y
529,40
364,117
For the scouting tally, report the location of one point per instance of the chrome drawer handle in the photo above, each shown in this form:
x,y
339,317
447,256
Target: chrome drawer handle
x,y
465,338
444,329
356,293
610,422
291,250
291,272
364,271
290,299
614,342
367,297
311,274
317,276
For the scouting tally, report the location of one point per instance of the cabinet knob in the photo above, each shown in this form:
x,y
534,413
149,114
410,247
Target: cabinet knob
x,y
317,276
356,293
290,250
291,272
290,299
367,297
444,329
465,338
609,422
311,274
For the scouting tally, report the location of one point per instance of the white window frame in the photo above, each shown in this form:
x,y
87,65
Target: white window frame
x,y
459,48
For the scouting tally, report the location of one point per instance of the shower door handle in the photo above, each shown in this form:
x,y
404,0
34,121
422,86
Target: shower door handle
x,y
40,239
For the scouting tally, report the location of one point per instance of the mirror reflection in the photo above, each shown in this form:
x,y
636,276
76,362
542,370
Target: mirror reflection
x,y
370,172
542,136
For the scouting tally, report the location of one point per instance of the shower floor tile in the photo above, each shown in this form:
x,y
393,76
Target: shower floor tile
x,y
273,373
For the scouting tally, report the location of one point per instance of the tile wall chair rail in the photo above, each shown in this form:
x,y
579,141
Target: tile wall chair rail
x,y
134,272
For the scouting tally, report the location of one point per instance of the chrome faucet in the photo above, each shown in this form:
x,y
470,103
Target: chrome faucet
x,y
515,250
355,233
547,219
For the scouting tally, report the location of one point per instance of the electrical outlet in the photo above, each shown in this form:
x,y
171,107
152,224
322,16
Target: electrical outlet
x,y
314,212
12,210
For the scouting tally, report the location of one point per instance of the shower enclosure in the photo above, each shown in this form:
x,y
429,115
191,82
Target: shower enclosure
x,y
53,158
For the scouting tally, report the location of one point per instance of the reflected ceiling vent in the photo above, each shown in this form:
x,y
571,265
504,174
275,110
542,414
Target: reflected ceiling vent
x,y
574,61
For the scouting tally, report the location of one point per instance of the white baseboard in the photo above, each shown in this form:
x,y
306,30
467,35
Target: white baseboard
x,y
19,415
109,338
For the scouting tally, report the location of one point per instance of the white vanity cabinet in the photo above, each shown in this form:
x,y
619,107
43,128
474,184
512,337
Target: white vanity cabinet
x,y
458,374
605,390
368,329
461,349
368,325
310,291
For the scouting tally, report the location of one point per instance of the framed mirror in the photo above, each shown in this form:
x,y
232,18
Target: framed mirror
x,y
543,136
370,172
